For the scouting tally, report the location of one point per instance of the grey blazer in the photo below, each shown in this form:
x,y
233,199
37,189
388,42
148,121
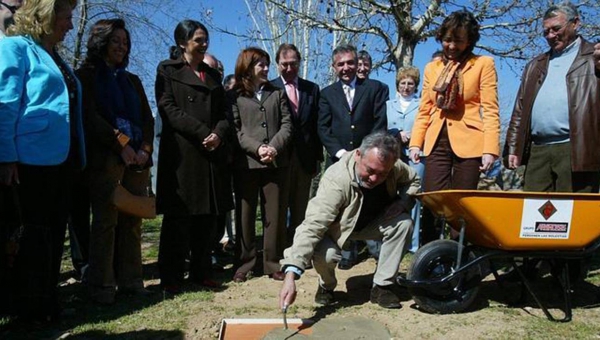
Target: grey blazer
x,y
257,122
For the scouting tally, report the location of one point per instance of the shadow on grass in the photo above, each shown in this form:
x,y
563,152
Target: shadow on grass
x,y
548,290
35,332
513,295
137,335
79,310
82,315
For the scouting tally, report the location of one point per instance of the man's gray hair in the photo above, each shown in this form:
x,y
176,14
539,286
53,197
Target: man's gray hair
x,y
566,7
347,48
387,145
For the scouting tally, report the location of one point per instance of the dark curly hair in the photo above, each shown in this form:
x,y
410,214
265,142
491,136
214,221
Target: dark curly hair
x,y
97,45
460,19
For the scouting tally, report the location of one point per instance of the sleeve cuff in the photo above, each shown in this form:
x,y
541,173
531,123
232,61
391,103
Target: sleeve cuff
x,y
297,271
122,139
340,153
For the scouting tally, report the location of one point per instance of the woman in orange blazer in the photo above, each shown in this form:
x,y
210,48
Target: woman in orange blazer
x,y
458,124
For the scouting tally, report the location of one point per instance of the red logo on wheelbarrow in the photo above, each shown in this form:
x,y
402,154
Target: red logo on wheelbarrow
x,y
547,210
546,227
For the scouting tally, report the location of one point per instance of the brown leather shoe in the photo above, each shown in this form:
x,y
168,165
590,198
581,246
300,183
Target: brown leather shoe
x,y
240,277
277,276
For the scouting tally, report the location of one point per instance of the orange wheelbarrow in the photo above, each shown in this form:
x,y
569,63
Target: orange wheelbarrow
x,y
562,228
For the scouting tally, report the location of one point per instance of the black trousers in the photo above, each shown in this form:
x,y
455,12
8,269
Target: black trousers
x,y
79,220
9,223
180,236
44,200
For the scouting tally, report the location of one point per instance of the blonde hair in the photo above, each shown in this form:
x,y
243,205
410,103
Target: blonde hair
x,y
408,72
37,17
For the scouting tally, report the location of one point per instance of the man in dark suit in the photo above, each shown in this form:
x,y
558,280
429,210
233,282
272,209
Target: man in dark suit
x,y
307,150
350,108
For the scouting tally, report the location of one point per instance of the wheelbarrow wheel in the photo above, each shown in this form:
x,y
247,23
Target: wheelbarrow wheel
x,y
437,260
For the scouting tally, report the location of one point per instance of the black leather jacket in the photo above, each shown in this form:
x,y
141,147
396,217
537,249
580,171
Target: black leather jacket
x,y
583,84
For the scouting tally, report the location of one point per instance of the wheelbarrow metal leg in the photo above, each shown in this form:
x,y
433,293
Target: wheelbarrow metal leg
x,y
442,224
461,240
566,292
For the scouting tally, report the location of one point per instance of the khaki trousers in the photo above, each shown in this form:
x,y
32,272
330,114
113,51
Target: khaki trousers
x,y
115,238
394,232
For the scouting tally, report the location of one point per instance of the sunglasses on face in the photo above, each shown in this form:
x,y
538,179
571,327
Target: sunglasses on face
x,y
12,9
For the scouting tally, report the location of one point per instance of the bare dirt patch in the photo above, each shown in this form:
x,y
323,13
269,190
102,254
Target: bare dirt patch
x,y
493,318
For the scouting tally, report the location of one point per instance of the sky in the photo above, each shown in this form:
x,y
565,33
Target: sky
x,y
233,15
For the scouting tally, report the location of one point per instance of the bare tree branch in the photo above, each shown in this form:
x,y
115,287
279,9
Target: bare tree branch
x,y
510,28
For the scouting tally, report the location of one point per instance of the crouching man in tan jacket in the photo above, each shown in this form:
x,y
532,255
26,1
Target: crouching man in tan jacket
x,y
366,195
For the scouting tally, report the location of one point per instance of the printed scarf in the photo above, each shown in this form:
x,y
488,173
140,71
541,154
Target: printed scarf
x,y
449,85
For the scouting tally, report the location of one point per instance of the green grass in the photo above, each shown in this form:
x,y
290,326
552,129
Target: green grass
x,y
157,316
150,238
540,328
160,316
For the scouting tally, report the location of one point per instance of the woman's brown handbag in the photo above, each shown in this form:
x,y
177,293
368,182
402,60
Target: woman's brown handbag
x,y
128,203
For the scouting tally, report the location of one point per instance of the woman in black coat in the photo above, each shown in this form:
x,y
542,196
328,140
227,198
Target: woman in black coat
x,y
192,182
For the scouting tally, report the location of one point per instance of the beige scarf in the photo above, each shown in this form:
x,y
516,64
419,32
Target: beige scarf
x,y
449,86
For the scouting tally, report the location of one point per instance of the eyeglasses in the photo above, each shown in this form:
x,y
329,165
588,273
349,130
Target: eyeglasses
x,y
12,9
555,29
